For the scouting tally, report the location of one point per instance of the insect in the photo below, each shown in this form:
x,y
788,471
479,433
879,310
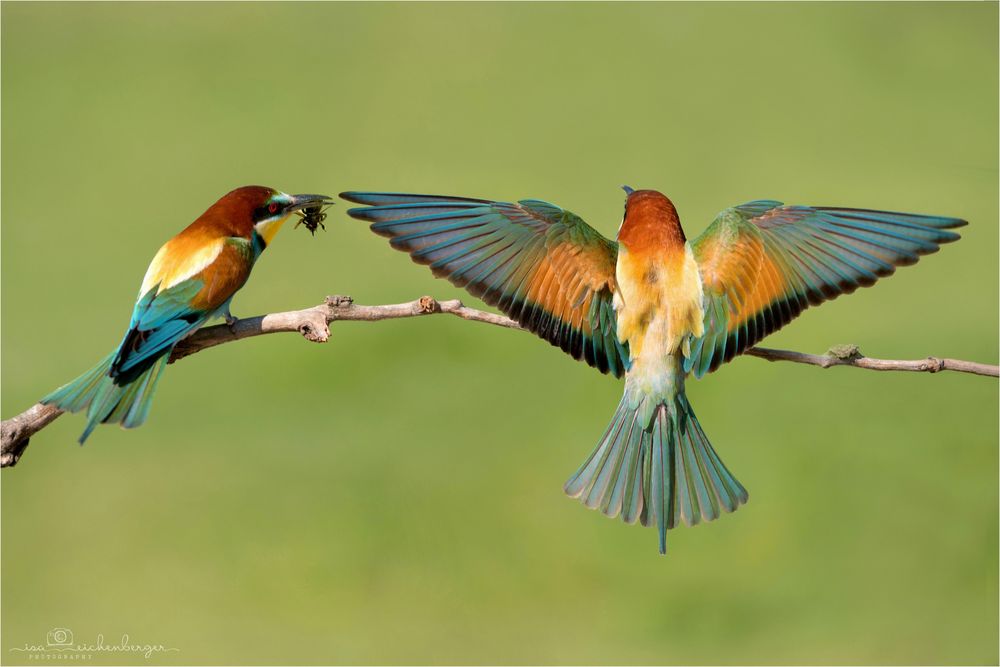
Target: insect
x,y
312,217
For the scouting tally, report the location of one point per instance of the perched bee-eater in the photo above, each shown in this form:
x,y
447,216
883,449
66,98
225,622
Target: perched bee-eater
x,y
191,280
654,308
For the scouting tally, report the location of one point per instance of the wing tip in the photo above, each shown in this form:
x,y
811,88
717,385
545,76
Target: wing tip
x,y
370,198
359,213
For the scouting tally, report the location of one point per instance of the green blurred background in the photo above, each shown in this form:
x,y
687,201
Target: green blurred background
x,y
395,495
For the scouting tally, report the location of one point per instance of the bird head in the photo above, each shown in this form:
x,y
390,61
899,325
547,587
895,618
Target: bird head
x,y
254,209
650,218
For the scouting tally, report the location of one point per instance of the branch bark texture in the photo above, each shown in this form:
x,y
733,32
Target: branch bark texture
x,y
314,325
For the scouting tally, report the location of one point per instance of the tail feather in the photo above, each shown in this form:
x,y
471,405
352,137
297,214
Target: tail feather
x,y
144,399
663,482
78,394
105,400
655,464
133,405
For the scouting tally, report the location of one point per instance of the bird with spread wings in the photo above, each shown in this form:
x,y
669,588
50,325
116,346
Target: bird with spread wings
x,y
654,308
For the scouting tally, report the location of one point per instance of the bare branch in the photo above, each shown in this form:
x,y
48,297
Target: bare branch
x,y
313,325
16,432
850,355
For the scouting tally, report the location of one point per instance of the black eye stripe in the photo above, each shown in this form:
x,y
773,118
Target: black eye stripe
x,y
261,213
267,210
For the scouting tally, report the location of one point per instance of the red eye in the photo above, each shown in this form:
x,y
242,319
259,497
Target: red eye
x,y
273,208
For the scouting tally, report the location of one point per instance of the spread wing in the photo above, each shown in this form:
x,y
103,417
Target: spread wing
x,y
762,263
541,265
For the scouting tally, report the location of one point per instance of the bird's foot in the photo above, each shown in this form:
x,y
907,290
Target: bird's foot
x,y
231,321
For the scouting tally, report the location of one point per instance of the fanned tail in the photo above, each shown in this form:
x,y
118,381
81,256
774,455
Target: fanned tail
x,y
105,400
655,464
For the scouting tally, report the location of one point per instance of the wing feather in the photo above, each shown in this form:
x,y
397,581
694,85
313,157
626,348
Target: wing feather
x,y
762,263
539,264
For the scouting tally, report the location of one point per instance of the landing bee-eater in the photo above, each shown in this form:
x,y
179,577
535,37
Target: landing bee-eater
x,y
191,280
653,307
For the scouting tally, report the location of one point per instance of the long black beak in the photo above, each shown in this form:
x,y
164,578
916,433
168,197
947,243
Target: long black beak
x,y
300,202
